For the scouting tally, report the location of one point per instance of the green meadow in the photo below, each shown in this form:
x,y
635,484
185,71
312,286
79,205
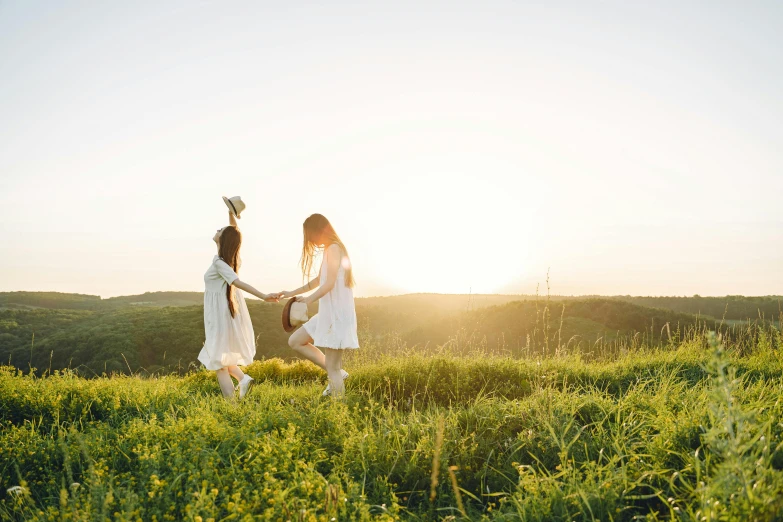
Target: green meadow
x,y
544,422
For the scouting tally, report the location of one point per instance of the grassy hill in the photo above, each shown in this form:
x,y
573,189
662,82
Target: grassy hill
x,y
691,432
527,328
155,338
125,339
163,331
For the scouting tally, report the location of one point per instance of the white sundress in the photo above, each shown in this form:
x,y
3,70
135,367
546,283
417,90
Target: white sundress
x,y
334,326
230,341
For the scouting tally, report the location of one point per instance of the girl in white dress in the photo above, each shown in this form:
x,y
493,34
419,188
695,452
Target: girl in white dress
x,y
230,341
333,328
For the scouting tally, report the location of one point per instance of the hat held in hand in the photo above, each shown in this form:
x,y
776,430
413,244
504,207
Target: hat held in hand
x,y
235,205
294,314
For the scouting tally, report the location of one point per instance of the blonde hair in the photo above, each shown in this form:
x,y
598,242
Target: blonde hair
x,y
314,226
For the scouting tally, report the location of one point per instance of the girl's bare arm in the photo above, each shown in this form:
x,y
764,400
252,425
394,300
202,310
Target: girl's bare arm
x,y
272,298
313,283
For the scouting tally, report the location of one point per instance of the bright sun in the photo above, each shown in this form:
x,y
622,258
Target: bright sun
x,y
463,241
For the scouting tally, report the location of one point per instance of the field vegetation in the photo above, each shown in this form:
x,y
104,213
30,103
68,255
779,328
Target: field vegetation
x,y
679,425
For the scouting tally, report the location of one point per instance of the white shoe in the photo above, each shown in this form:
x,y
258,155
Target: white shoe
x,y
245,385
328,391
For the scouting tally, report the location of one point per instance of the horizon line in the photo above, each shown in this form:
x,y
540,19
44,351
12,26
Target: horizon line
x,y
403,295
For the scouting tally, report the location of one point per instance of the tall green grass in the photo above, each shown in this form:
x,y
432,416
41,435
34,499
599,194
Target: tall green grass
x,y
686,431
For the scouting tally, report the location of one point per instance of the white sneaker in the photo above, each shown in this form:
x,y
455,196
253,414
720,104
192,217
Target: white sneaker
x,y
245,385
328,391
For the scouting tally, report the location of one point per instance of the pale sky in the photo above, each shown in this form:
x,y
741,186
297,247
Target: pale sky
x,y
629,147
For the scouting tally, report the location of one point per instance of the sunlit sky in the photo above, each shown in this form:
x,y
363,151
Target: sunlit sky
x,y
628,147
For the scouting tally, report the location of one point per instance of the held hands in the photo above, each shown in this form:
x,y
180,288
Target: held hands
x,y
272,298
288,295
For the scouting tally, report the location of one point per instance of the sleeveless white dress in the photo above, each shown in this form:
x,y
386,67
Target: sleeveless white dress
x,y
334,326
230,341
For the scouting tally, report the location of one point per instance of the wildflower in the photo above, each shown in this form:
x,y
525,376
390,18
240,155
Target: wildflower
x,y
16,490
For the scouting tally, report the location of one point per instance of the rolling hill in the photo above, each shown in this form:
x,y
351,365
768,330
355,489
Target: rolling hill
x,y
161,331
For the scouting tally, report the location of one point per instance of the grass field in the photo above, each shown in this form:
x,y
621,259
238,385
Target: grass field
x,y
686,432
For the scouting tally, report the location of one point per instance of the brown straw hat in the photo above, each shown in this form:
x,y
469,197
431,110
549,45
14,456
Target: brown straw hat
x,y
294,318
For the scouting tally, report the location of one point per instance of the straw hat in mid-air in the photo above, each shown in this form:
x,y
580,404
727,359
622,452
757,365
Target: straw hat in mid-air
x,y
235,205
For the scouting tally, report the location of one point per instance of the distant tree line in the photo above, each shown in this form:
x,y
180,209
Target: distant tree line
x,y
734,307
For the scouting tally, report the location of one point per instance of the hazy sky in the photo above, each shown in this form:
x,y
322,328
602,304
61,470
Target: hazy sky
x,y
456,146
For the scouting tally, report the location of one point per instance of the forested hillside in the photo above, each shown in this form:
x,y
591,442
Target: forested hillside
x,y
151,339
120,340
406,307
60,301
164,331
733,307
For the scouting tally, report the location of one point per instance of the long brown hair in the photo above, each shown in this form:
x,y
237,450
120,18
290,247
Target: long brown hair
x,y
313,227
228,250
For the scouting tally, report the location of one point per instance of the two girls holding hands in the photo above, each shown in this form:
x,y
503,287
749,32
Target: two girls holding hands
x,y
230,340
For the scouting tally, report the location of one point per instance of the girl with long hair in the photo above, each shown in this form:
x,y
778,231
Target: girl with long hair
x,y
333,328
230,341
